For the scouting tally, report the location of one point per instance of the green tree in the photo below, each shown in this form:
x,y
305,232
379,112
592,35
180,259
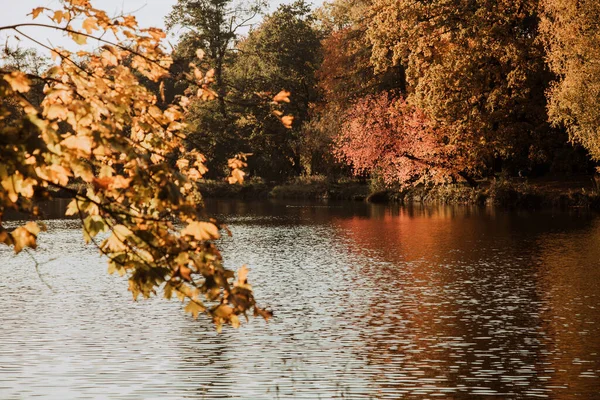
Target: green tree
x,y
213,26
281,54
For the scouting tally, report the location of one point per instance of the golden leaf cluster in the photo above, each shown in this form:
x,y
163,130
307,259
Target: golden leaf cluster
x,y
100,127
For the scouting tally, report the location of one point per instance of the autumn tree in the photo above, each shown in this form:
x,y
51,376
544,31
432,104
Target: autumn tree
x,y
346,73
570,34
476,69
386,137
281,54
97,125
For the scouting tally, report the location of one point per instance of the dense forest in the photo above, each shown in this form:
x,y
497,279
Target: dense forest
x,y
405,92
402,92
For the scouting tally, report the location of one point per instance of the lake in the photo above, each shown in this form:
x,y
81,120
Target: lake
x,y
370,302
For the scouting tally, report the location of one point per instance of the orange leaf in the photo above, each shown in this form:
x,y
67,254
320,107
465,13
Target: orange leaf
x,y
287,121
186,273
284,96
237,176
59,16
103,183
90,25
129,21
36,11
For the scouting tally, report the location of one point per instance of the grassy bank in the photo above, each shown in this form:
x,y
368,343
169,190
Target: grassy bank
x,y
581,192
314,188
513,193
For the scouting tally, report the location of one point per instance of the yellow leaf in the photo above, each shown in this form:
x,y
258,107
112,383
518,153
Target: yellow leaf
x,y
200,54
72,208
5,237
108,58
242,275
201,230
92,226
83,143
58,174
9,185
90,25
56,111
18,81
222,311
198,74
82,170
122,232
182,163
145,255
195,308
78,38
24,186
112,267
32,228
194,174
182,258
22,238
161,89
168,291
113,244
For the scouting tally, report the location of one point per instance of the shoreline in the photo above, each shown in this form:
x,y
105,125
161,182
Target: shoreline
x,y
571,192
576,192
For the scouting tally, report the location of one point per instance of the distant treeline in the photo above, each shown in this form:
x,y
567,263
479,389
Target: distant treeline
x,y
401,91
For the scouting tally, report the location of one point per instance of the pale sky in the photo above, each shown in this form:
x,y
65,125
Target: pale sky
x,y
148,13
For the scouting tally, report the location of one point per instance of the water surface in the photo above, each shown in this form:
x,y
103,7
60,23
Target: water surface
x,y
370,302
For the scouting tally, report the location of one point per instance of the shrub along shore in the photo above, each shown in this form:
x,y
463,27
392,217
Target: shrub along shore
x,y
580,192
570,192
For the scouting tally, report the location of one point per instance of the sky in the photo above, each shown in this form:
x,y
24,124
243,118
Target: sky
x,y
148,13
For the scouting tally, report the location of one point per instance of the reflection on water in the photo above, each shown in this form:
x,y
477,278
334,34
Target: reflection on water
x,y
370,301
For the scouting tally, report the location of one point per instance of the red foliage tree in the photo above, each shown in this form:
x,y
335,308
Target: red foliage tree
x,y
387,137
